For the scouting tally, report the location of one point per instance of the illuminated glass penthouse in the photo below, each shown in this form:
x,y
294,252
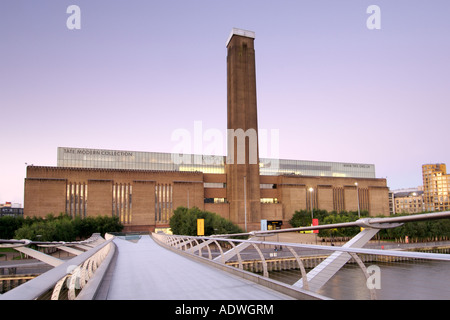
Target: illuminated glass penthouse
x,y
135,160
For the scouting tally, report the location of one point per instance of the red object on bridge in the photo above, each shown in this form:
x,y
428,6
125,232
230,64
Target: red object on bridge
x,y
315,222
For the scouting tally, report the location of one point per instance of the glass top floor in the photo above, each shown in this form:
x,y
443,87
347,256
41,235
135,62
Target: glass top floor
x,y
137,160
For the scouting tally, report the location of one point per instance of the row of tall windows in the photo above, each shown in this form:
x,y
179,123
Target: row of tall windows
x,y
76,199
339,199
122,202
163,202
363,199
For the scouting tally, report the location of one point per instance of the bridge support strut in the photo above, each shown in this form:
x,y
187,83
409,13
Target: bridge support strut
x,y
323,272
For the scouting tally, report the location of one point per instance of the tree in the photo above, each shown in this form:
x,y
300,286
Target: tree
x,y
8,225
184,222
64,228
302,218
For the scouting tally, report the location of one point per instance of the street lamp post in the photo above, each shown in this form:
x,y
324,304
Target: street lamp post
x,y
357,199
311,198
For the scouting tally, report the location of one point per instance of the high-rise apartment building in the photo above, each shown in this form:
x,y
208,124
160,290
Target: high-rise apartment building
x,y
436,187
408,201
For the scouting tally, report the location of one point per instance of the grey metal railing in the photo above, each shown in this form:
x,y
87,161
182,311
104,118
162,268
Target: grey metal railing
x,y
76,278
317,264
253,259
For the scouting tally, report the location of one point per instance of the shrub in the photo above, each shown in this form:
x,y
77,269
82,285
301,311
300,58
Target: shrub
x,y
184,222
9,225
63,228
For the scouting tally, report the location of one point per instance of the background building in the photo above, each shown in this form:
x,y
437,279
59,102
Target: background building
x,y
436,187
408,200
145,199
143,188
11,209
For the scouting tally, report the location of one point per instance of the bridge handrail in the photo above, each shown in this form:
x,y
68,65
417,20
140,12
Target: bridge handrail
x,y
306,282
81,266
297,293
377,223
12,243
393,253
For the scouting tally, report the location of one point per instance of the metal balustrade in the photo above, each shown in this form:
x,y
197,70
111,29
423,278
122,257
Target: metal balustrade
x,y
76,278
313,266
265,257
266,260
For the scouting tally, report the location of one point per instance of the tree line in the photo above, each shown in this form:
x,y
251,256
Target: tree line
x,y
429,230
56,228
66,228
303,218
184,222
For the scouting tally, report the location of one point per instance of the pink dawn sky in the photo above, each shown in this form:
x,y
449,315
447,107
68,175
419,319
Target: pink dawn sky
x,y
138,70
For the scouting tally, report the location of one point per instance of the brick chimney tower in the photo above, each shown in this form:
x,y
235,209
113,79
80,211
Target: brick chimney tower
x,y
242,164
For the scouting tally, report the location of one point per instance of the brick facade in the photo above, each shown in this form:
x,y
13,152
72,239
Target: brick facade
x,y
155,194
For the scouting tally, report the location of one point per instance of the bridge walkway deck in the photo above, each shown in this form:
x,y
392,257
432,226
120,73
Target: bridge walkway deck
x,y
146,271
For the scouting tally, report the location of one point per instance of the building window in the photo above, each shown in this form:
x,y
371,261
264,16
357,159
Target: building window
x,y
268,186
163,203
269,200
122,202
76,199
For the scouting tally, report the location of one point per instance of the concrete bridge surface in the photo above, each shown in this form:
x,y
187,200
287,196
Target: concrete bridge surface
x,y
144,270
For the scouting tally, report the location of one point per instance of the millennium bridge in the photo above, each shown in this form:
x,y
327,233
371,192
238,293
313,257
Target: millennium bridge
x,y
159,266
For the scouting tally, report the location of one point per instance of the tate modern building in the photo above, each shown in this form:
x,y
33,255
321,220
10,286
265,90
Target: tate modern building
x,y
144,188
